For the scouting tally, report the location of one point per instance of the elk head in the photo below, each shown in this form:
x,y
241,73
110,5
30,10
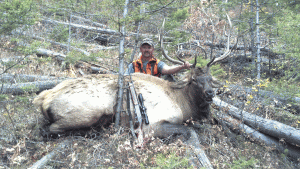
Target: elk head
x,y
200,77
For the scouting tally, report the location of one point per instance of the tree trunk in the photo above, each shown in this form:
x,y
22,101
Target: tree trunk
x,y
121,69
255,135
270,127
258,41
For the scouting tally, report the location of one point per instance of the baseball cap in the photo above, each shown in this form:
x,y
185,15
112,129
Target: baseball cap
x,y
147,41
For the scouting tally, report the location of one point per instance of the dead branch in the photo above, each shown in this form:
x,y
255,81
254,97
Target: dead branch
x,y
42,162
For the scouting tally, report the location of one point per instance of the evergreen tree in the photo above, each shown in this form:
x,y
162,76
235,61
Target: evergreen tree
x,y
15,14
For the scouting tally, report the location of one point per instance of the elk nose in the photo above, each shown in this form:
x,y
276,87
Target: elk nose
x,y
210,93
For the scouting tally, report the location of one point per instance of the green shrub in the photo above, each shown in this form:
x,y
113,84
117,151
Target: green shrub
x,y
171,161
60,33
243,163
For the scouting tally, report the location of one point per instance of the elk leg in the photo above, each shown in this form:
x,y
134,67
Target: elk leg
x,y
56,128
166,129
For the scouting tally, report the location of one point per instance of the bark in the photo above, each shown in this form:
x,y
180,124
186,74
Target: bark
x,y
10,78
42,162
255,135
270,127
29,87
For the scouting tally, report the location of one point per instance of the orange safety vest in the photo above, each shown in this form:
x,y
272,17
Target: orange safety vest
x,y
150,69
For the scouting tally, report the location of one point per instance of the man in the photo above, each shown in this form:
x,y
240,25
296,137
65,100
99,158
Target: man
x,y
148,64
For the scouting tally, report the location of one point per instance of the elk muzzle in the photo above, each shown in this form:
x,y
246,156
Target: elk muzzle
x,y
209,95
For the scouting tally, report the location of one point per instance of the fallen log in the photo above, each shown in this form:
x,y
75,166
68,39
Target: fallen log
x,y
264,51
94,68
15,78
257,136
43,161
270,127
29,87
89,21
88,28
194,144
103,48
46,52
52,42
100,30
11,59
62,45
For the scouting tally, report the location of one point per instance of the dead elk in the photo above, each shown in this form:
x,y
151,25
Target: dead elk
x,y
85,102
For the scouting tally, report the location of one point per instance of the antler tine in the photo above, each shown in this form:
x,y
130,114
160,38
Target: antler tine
x,y
164,52
227,52
198,45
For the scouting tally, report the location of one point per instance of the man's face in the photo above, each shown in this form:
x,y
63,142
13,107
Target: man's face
x,y
146,50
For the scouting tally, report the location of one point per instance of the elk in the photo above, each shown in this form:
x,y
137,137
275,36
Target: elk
x,y
90,100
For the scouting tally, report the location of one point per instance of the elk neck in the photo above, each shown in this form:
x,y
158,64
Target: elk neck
x,y
196,97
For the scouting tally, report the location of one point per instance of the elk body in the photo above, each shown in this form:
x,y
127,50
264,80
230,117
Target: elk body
x,y
88,101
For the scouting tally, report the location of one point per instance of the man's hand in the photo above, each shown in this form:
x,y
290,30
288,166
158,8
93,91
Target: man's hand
x,y
176,68
186,65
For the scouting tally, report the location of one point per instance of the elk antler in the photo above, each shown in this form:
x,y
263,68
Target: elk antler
x,y
227,52
166,55
163,50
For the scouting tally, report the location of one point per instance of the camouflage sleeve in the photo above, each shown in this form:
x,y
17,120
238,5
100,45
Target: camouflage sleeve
x,y
129,70
160,66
